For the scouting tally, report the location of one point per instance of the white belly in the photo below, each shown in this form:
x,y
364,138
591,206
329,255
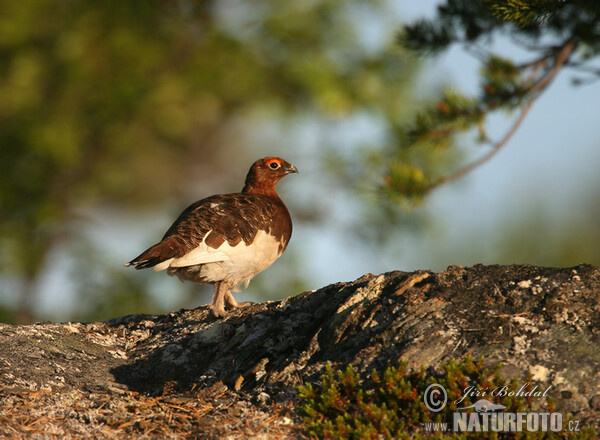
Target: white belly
x,y
232,264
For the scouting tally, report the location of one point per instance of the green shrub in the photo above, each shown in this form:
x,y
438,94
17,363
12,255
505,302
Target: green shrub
x,y
390,405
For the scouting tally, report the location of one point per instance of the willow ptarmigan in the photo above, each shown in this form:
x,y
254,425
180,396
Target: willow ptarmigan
x,y
227,239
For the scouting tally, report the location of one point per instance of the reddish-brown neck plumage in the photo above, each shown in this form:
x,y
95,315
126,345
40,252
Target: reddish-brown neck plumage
x,y
265,174
264,187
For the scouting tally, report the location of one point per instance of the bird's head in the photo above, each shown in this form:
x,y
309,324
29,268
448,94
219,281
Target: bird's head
x,y
265,173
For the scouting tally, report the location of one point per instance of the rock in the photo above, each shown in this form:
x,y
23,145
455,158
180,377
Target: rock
x,y
187,374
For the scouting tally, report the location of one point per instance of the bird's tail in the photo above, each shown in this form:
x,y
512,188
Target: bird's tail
x,y
154,255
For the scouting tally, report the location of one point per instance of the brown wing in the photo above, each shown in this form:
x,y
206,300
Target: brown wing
x,y
216,219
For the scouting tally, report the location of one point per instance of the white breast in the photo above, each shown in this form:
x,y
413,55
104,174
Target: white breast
x,y
233,264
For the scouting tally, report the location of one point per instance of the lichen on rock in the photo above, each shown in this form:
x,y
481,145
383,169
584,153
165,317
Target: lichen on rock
x,y
78,377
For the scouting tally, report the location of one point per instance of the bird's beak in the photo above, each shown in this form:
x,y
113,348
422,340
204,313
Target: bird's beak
x,y
291,169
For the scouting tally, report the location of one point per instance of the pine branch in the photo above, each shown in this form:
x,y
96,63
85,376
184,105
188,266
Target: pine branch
x,y
506,85
525,13
560,58
495,150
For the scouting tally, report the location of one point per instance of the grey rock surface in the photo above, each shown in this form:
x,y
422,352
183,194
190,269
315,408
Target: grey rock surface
x,y
81,378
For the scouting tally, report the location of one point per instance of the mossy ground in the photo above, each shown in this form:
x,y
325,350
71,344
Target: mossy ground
x,y
390,404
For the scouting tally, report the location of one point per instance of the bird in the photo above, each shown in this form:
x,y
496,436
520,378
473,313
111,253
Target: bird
x,y
227,239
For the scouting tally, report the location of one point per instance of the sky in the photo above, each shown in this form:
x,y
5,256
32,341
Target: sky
x,y
551,158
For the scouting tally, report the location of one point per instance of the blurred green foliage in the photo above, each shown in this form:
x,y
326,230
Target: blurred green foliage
x,y
117,104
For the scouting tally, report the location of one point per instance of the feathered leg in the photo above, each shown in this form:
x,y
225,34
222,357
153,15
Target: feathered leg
x,y
221,297
217,304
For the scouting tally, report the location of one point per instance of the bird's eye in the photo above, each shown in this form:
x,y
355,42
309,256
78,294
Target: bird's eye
x,y
274,165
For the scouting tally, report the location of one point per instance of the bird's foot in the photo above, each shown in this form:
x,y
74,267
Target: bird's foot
x,y
222,298
241,305
234,304
216,311
220,312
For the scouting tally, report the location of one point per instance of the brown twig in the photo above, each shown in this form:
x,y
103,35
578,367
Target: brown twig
x,y
495,150
534,91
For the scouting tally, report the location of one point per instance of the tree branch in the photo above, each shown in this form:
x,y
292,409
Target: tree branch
x,y
560,58
495,149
